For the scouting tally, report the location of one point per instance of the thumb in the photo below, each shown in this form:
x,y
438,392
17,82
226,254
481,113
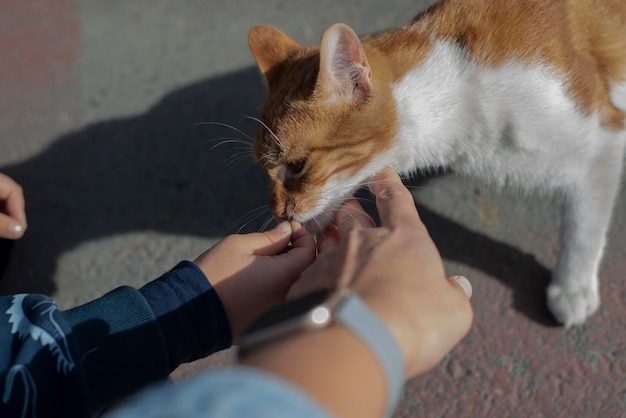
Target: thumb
x,y
270,242
302,250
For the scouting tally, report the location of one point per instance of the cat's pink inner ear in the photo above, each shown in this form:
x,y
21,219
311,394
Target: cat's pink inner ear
x,y
344,69
270,47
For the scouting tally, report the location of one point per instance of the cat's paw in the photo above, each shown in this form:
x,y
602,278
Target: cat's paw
x,y
572,306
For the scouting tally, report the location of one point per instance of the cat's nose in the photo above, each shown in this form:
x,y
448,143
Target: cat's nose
x,y
284,211
281,213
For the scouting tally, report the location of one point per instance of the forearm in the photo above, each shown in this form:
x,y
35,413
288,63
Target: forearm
x,y
57,363
180,319
72,363
189,312
332,366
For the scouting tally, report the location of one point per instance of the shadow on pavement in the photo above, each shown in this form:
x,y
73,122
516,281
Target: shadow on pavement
x,y
157,171
527,278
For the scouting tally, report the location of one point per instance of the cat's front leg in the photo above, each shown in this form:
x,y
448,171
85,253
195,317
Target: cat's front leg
x,y
573,294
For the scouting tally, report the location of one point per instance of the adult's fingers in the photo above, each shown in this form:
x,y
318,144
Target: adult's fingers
x,y
328,238
302,242
12,195
394,201
301,253
352,215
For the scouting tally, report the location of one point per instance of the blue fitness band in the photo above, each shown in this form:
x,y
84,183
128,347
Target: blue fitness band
x,y
359,318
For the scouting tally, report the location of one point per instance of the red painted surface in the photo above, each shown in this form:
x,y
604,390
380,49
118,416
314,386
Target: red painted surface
x,y
39,43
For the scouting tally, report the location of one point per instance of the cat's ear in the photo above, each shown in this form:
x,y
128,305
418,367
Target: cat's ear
x,y
344,69
270,47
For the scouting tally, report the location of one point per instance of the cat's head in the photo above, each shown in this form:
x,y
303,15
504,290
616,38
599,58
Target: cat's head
x,y
327,124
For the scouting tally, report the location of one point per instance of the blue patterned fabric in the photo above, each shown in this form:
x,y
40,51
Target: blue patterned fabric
x,y
74,363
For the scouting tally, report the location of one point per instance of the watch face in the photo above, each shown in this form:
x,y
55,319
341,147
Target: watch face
x,y
290,309
297,314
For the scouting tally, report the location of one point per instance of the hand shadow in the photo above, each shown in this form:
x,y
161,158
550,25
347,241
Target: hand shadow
x,y
160,171
527,278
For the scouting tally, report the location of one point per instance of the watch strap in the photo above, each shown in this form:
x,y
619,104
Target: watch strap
x,y
355,315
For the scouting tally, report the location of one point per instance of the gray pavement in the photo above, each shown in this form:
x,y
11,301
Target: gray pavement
x,y
99,105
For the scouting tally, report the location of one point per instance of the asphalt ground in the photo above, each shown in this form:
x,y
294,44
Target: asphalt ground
x,y
99,110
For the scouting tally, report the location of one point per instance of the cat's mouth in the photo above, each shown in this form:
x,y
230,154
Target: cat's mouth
x,y
325,210
316,221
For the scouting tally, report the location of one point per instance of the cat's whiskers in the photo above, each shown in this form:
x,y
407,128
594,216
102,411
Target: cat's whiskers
x,y
267,223
242,152
241,155
263,159
315,219
250,217
229,140
278,141
227,126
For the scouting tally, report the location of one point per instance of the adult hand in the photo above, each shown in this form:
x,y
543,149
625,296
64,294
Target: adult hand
x,y
253,272
397,271
12,215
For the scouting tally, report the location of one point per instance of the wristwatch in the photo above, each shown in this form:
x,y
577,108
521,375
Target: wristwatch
x,y
319,309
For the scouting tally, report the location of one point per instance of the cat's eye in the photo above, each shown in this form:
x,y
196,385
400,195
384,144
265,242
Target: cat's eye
x,y
292,170
295,168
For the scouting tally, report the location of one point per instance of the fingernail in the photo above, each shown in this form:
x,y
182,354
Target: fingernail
x,y
465,284
16,230
284,227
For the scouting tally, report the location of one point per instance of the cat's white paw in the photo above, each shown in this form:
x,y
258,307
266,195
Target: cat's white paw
x,y
572,306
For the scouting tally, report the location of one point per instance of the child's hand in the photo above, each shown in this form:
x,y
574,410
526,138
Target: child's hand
x,y
253,272
12,215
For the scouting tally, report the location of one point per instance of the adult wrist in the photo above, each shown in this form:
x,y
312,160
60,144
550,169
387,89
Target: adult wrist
x,y
323,309
395,324
372,330
326,365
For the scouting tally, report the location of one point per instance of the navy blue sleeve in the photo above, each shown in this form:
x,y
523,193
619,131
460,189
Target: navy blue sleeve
x,y
190,314
74,363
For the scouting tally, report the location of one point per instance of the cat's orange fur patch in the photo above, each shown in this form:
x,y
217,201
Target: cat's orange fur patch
x,y
584,40
337,135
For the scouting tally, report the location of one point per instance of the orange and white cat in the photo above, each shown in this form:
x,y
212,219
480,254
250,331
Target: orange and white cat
x,y
528,94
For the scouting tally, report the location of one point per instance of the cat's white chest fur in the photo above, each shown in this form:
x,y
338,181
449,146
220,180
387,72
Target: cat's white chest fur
x,y
510,125
516,126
